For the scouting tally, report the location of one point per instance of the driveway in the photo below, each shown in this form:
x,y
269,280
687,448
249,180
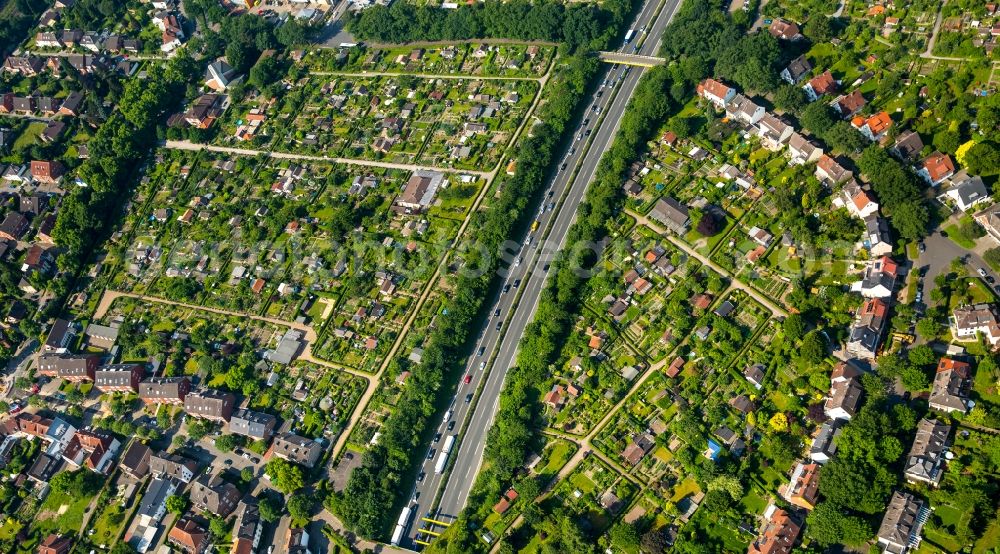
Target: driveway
x,y
937,256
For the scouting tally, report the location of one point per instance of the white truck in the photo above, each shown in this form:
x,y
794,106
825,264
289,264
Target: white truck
x,y
401,523
442,460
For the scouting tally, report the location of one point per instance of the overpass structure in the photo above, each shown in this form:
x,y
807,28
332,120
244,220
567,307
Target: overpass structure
x,y
631,59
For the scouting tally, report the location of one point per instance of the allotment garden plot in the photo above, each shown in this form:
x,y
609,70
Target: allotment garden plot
x,y
446,123
316,242
480,60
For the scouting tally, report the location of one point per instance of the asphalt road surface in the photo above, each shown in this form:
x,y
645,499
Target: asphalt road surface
x,y
468,453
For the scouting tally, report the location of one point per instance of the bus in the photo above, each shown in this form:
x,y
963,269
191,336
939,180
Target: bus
x,y
401,523
629,35
442,460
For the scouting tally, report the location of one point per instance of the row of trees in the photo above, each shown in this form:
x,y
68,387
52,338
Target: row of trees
x,y
365,505
89,212
576,25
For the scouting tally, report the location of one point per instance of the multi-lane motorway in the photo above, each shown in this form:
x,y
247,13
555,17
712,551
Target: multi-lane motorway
x,y
526,275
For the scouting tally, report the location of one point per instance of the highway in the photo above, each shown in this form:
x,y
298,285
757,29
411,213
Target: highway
x,y
526,275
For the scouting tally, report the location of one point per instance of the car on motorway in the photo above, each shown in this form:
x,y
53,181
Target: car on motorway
x,y
586,122
579,136
600,93
431,452
551,206
437,438
420,477
517,283
551,193
468,379
496,312
545,267
416,495
982,273
506,288
451,425
447,416
482,365
572,151
518,261
587,133
562,167
468,398
481,351
499,325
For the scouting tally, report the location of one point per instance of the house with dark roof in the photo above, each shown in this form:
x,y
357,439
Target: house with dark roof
x,y
908,146
295,448
135,460
671,214
153,505
877,238
952,383
824,444
902,524
14,226
969,193
928,454
60,335
248,527
164,390
210,404
754,374
214,495
796,70
844,399
71,367
119,377
640,445
420,190
101,336
173,466
256,425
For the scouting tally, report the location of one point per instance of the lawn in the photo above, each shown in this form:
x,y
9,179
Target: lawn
x,y
958,238
10,528
60,513
686,487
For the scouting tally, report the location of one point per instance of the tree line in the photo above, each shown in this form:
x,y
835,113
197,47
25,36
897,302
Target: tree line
x,y
576,25
90,211
365,505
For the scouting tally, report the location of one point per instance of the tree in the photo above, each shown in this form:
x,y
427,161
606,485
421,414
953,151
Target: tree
x,y
286,476
819,28
911,220
928,328
828,526
818,118
790,98
983,158
270,509
122,547
813,349
240,56
624,537
226,443
218,526
177,503
246,474
778,422
728,484
750,62
265,72
300,506
794,327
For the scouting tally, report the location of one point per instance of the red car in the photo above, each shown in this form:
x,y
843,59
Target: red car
x,y
35,388
468,379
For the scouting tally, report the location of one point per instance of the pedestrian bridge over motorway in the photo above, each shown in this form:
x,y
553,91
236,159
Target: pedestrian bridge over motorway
x,y
631,59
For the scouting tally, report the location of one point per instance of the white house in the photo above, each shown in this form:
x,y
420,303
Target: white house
x,y
879,279
716,92
801,151
773,132
969,193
